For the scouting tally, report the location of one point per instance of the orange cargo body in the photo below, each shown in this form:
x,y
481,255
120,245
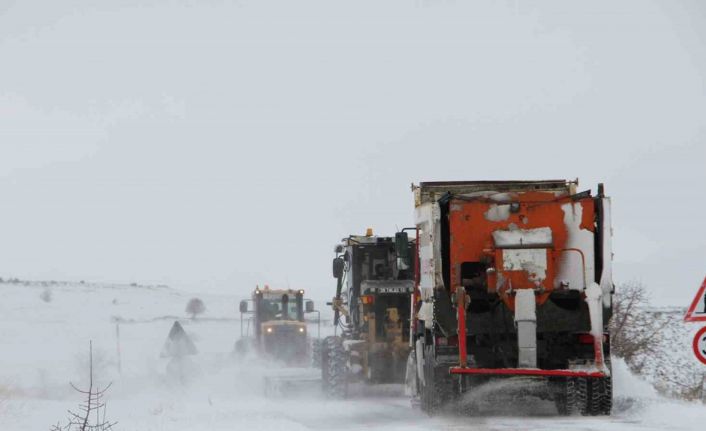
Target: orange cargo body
x,y
471,239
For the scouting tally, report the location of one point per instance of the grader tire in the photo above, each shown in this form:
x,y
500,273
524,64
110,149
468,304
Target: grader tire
x,y
334,368
316,353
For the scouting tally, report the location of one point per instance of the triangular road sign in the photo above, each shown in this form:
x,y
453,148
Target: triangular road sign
x,y
697,310
178,344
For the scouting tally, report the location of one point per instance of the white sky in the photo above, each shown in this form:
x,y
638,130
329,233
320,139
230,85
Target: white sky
x,y
217,145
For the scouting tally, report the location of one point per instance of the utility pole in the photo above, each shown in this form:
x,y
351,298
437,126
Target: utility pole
x,y
117,345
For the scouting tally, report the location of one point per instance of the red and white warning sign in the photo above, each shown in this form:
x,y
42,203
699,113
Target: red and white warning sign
x,y
697,310
700,345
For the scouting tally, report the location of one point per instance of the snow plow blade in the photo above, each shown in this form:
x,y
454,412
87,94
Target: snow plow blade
x,y
289,381
526,372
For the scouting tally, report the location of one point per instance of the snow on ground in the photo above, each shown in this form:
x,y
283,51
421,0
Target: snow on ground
x,y
43,346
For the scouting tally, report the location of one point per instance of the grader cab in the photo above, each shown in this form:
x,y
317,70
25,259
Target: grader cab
x,y
374,283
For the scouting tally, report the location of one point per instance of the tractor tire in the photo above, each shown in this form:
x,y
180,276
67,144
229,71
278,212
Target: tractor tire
x,y
334,368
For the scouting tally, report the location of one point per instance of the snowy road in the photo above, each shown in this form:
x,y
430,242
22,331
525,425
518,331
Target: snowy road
x,y
44,346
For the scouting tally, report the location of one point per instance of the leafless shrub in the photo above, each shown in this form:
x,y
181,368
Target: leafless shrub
x,y
634,333
91,414
195,306
46,295
684,385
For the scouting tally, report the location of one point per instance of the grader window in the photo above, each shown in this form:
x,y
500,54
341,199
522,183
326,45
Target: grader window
x,y
376,264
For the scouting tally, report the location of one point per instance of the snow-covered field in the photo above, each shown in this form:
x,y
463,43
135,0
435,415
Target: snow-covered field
x,y
44,345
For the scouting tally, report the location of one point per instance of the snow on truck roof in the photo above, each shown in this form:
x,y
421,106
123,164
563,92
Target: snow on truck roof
x,y
275,293
431,191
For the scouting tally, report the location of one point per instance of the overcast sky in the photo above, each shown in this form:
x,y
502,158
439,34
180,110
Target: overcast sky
x,y
217,145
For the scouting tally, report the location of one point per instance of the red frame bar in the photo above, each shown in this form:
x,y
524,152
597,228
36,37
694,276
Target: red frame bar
x,y
461,306
598,350
525,372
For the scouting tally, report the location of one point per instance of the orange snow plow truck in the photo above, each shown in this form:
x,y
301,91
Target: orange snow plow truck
x,y
514,282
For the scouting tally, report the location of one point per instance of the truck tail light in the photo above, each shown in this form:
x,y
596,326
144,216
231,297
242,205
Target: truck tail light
x,y
588,338
367,299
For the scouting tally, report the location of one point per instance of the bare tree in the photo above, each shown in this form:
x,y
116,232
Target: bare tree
x,y
195,306
92,412
634,332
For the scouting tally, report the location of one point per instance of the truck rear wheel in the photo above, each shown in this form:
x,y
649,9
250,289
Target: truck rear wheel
x,y
334,367
587,397
437,389
601,397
